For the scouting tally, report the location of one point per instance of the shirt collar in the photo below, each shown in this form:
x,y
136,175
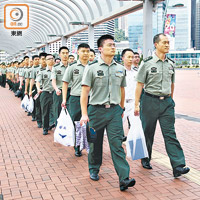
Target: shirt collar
x,y
101,62
62,65
156,59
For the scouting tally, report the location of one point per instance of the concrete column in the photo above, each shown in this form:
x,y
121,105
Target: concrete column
x,y
147,28
91,36
37,51
63,41
47,50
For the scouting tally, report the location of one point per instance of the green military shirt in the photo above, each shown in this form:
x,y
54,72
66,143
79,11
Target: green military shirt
x,y
74,75
3,70
105,82
21,71
57,73
156,75
35,70
44,78
27,72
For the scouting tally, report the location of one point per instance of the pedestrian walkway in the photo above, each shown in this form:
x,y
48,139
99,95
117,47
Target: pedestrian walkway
x,y
32,166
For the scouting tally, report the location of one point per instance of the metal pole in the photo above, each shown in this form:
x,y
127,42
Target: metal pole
x,y
147,28
63,41
91,36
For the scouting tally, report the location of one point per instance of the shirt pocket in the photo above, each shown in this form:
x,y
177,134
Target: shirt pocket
x,y
118,78
100,81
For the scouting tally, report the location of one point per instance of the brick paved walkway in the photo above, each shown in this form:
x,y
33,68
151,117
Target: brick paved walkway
x,y
32,166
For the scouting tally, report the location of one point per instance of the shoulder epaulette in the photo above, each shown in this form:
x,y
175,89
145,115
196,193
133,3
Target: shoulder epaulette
x,y
148,58
56,65
170,60
42,69
118,63
73,63
91,63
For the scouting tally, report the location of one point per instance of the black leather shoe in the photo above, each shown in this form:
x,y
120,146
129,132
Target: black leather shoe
x,y
126,183
178,171
39,125
33,119
94,177
124,138
145,163
78,152
52,126
29,114
45,132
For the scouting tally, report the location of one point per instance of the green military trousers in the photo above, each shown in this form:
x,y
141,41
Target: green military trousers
x,y
3,80
153,109
46,100
102,118
75,108
57,101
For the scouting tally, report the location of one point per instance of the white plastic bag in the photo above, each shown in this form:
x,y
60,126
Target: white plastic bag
x,y
136,144
81,136
64,132
30,106
25,102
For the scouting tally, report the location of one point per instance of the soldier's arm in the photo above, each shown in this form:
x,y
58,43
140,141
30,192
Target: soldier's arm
x,y
31,86
122,97
64,93
26,85
138,92
84,102
172,90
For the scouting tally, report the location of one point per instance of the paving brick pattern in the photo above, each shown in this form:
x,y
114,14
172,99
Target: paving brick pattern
x,y
32,166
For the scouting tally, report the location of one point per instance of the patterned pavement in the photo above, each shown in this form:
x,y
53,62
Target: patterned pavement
x,y
32,166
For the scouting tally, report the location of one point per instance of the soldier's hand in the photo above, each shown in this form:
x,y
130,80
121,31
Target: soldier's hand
x,y
25,92
39,91
137,110
58,92
30,94
63,105
84,119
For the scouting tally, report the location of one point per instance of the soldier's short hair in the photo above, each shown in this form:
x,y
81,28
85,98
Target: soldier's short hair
x,y
101,40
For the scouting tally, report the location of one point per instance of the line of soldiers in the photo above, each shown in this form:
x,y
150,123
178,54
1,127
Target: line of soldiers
x,y
94,93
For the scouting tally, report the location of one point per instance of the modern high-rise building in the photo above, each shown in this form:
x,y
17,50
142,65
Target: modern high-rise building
x,y
197,27
193,23
183,24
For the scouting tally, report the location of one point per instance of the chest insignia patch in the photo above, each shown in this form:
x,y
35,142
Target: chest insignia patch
x,y
100,73
45,76
76,71
153,70
59,72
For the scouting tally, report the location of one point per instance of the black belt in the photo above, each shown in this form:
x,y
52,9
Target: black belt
x,y
48,92
158,97
105,106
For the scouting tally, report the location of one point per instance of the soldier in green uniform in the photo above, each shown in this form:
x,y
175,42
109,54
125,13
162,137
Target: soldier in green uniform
x,y
22,75
46,97
35,71
56,76
74,74
106,81
36,115
157,75
27,73
3,72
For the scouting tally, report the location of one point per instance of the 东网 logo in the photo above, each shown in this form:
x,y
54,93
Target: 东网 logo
x,y
16,16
